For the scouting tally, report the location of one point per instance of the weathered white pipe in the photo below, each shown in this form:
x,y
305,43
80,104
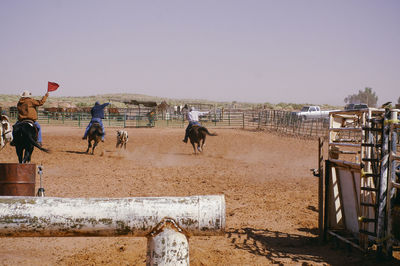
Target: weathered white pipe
x,y
37,216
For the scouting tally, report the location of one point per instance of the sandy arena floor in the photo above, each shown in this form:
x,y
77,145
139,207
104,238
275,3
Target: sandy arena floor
x,y
271,196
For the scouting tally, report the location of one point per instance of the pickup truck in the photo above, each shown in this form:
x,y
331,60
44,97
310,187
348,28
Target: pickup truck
x,y
312,111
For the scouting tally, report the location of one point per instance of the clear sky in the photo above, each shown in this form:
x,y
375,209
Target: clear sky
x,y
298,51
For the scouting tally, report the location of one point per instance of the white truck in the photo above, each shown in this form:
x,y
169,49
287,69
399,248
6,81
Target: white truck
x,y
312,111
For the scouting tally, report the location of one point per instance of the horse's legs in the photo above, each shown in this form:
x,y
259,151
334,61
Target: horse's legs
x,y
89,145
20,152
202,143
124,146
94,146
28,154
194,147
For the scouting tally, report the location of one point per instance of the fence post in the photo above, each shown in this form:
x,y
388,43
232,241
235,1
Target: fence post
x,y
243,120
79,119
125,120
312,124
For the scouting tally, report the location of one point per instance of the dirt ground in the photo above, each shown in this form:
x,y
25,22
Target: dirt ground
x,y
271,196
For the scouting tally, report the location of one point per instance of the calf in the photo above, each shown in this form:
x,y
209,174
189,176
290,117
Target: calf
x,y
122,138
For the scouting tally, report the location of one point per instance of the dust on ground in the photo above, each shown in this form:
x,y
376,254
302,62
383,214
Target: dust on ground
x,y
271,196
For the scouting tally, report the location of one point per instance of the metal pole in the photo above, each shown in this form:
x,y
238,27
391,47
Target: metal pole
x,y
320,188
383,181
391,180
328,169
40,192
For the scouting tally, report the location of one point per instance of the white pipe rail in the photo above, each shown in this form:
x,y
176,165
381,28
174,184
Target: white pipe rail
x,y
160,219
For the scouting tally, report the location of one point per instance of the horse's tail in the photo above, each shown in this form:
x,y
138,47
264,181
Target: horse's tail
x,y
34,143
206,130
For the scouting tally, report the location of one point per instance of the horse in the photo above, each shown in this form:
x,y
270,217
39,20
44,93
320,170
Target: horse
x,y
5,131
25,140
198,134
94,134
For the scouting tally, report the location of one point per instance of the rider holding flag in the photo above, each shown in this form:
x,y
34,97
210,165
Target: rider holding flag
x,y
27,108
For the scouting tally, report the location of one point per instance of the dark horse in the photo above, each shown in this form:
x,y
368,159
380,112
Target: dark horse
x,y
94,134
25,139
198,134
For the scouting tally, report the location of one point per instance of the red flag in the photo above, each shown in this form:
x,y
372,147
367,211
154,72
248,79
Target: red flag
x,y
52,86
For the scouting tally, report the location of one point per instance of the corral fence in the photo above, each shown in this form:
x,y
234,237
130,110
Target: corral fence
x,y
285,122
361,193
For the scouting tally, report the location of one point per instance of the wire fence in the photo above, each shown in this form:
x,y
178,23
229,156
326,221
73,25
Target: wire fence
x,y
275,120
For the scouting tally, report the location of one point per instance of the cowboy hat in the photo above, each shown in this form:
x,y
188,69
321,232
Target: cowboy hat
x,y
26,94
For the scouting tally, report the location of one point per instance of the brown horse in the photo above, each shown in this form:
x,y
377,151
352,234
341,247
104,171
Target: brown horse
x,y
197,135
94,134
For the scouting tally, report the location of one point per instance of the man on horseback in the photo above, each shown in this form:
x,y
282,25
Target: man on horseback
x,y
27,111
193,117
97,112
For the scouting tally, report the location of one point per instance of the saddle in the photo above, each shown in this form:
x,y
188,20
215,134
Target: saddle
x,y
29,122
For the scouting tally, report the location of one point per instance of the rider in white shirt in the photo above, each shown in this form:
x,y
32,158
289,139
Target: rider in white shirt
x,y
193,118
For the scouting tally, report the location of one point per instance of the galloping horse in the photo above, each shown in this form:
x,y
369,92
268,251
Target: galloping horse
x,y
198,134
25,139
94,134
5,131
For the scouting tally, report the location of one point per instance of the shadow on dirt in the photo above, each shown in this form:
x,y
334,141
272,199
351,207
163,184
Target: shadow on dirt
x,y
282,248
76,152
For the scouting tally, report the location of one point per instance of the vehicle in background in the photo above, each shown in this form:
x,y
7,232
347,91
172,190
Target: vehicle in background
x,y
312,111
355,106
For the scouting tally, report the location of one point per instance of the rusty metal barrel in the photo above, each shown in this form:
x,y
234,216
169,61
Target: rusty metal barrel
x,y
17,179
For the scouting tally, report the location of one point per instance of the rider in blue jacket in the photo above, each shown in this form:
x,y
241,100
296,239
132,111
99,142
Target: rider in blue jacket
x,y
97,112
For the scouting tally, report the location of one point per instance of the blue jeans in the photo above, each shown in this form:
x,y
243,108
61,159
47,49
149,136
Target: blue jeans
x,y
39,138
98,120
189,127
